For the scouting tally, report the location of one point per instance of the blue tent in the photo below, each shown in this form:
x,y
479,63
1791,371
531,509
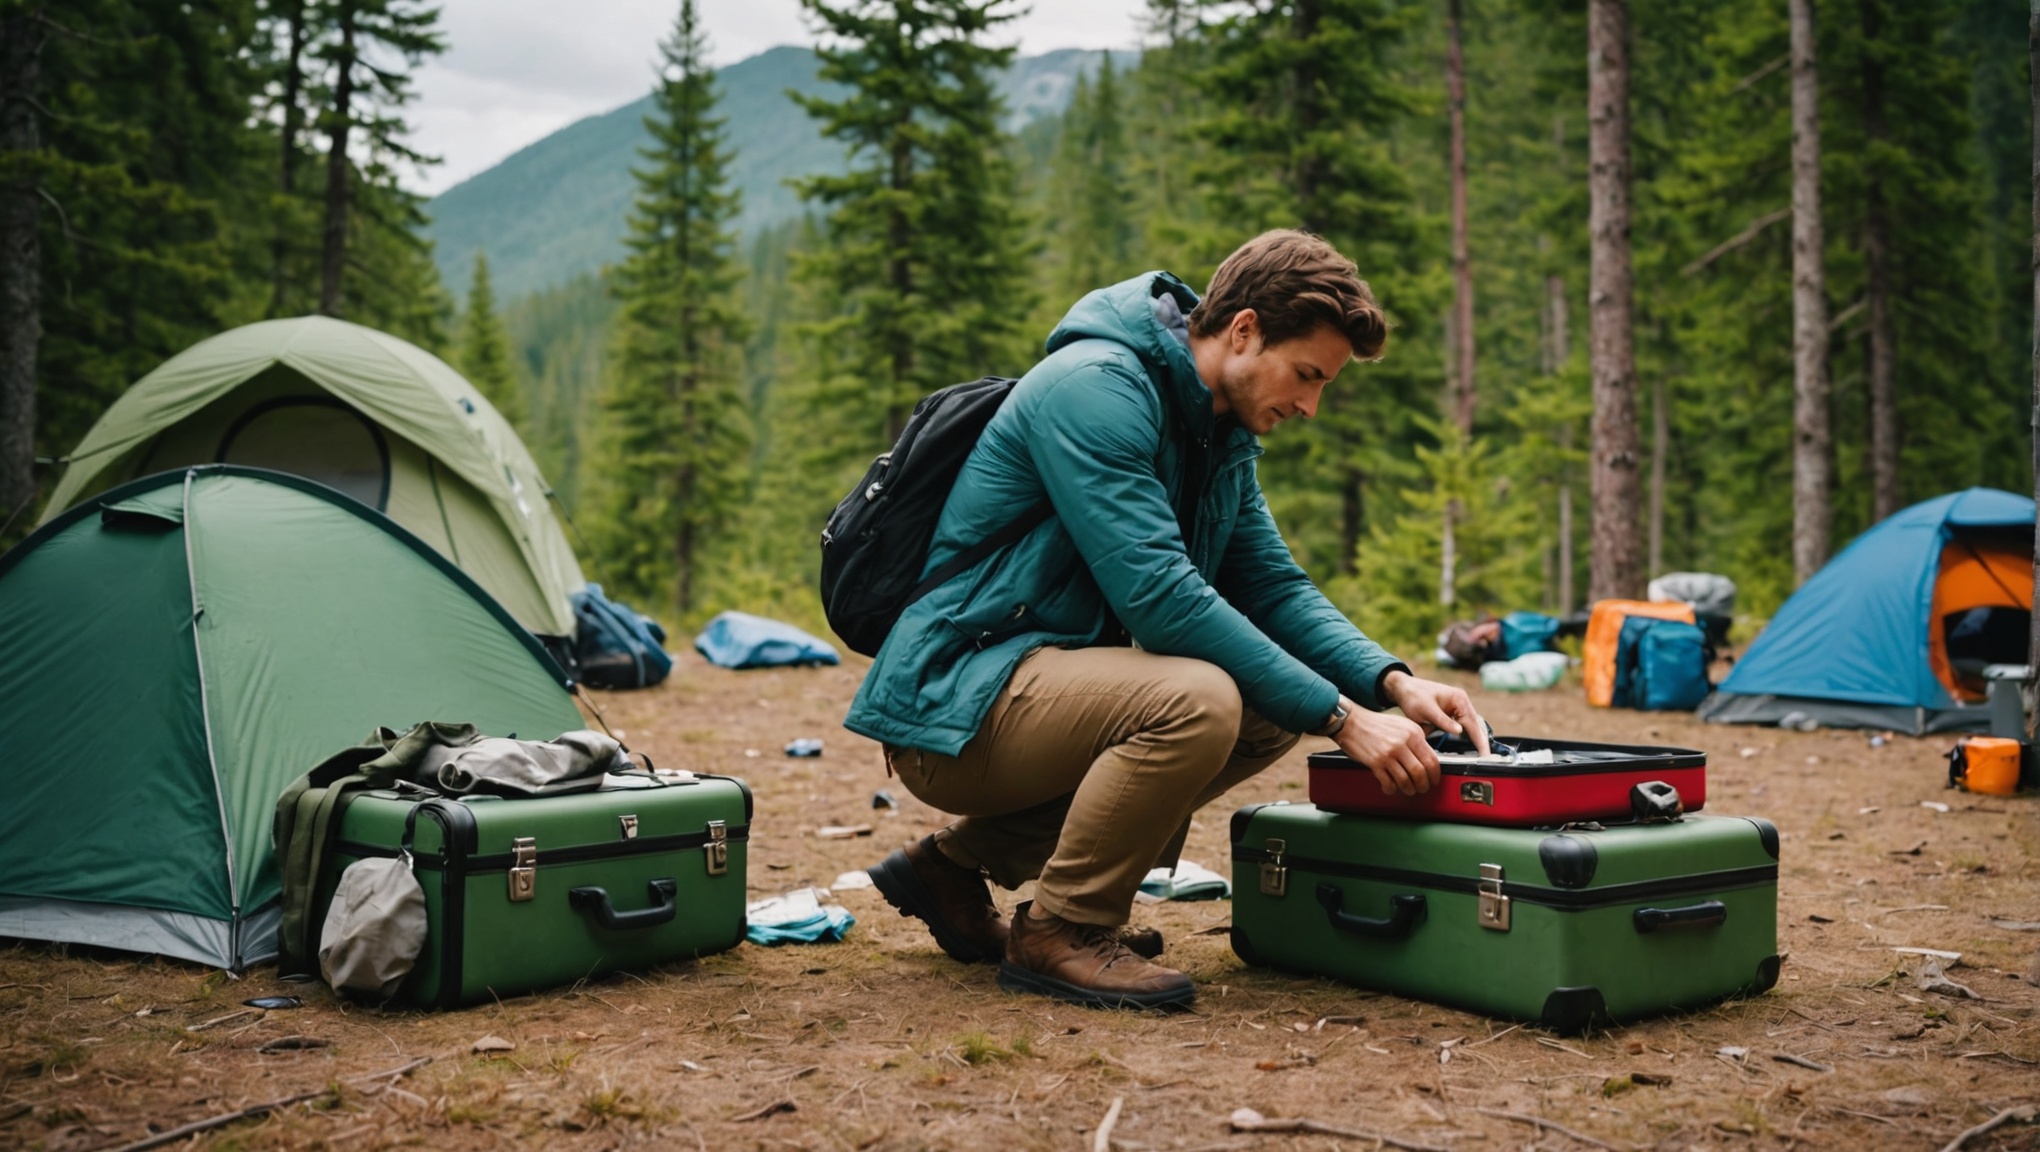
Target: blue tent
x,y
1856,646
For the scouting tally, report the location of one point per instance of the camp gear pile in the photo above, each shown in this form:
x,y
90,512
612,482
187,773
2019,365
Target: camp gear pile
x,y
1526,782
192,642
615,647
1568,929
1660,665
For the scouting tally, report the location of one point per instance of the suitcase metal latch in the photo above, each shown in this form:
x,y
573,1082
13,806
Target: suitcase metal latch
x,y
1274,874
1494,907
1477,792
718,848
523,869
629,825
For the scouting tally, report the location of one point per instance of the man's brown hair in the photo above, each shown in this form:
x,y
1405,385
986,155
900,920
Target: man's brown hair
x,y
1293,281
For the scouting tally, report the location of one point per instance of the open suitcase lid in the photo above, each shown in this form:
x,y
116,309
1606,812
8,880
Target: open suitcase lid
x,y
1530,756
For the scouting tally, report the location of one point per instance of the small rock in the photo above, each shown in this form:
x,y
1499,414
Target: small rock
x,y
1735,1054
1936,805
493,1044
1909,1096
1748,752
1246,1119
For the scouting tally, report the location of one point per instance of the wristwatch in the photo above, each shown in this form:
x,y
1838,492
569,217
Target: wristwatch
x,y
1333,723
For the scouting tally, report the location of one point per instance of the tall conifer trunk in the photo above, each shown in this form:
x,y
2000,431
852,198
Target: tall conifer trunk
x,y
2032,693
1660,447
1560,351
286,179
1812,434
901,273
333,265
21,40
1884,485
1616,565
1462,262
1460,347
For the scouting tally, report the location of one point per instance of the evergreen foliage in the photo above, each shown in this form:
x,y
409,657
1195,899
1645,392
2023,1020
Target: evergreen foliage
x,y
485,349
922,236
675,428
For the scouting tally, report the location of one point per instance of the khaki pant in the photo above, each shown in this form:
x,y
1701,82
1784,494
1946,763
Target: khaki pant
x,y
1086,771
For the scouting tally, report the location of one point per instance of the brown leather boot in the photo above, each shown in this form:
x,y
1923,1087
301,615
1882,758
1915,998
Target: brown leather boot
x,y
952,900
1086,964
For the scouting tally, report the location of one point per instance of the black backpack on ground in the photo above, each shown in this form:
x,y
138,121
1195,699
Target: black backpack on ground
x,y
877,539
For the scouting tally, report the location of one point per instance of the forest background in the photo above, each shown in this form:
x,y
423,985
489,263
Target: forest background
x,y
702,403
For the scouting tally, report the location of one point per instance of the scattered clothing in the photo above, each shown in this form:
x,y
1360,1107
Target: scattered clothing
x,y
1187,881
741,640
799,917
1533,672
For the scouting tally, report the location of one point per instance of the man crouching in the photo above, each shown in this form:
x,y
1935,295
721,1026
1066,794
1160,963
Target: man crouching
x,y
1077,696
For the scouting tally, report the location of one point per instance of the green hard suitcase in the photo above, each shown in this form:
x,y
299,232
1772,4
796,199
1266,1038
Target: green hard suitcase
x,y
530,893
1567,928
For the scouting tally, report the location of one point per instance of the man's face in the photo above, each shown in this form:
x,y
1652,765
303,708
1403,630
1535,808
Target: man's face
x,y
1262,385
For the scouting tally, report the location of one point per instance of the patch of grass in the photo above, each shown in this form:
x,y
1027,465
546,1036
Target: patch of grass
x,y
1022,1046
979,1048
610,1104
57,1055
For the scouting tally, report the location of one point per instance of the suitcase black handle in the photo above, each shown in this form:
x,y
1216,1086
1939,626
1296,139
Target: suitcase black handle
x,y
1403,913
1705,914
1655,802
595,901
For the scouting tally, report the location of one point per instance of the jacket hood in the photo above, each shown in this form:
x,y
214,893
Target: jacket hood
x,y
1130,313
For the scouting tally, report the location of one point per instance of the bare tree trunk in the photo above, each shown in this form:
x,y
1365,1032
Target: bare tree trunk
x,y
1448,539
1462,264
1616,565
293,126
21,41
1884,485
1660,444
1307,177
1812,437
2032,693
900,272
333,268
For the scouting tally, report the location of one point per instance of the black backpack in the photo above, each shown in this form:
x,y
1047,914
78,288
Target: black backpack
x,y
877,539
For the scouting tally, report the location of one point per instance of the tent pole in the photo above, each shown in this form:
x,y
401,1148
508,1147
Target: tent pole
x,y
205,717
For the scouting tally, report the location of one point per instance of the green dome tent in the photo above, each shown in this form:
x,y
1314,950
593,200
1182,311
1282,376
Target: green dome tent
x,y
176,651
380,419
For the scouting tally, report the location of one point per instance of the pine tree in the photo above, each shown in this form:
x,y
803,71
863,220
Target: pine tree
x,y
1093,204
671,470
1812,429
922,235
1616,569
485,350
366,92
1303,103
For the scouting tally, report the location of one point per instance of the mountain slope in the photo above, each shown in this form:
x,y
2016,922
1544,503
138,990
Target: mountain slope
x,y
558,207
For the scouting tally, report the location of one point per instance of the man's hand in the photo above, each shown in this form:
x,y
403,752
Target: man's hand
x,y
1436,705
1391,747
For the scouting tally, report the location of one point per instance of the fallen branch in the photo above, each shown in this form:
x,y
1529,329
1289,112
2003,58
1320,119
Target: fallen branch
x,y
1801,1061
1553,1125
772,1109
1101,1141
2023,1114
1248,1120
254,1110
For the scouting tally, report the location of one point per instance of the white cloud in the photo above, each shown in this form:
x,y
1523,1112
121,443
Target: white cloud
x,y
517,70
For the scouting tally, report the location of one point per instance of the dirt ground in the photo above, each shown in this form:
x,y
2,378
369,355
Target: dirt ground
x,y
882,1042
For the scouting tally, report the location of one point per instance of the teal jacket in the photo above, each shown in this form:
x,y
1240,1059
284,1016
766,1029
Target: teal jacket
x,y
1110,427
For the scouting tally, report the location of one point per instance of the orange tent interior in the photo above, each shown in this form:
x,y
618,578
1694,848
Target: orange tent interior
x,y
1974,575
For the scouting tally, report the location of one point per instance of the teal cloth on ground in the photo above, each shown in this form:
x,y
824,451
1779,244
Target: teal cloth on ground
x,y
799,917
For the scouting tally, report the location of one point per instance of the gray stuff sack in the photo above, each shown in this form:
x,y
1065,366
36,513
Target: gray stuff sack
x,y
375,928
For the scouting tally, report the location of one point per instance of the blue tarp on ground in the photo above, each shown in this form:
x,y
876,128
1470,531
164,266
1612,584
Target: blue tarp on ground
x,y
741,640
1850,647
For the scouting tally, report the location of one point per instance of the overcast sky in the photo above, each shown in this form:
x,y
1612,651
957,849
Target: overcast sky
x,y
517,70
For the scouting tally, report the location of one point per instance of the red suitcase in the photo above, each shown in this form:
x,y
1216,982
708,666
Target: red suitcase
x,y
1576,782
